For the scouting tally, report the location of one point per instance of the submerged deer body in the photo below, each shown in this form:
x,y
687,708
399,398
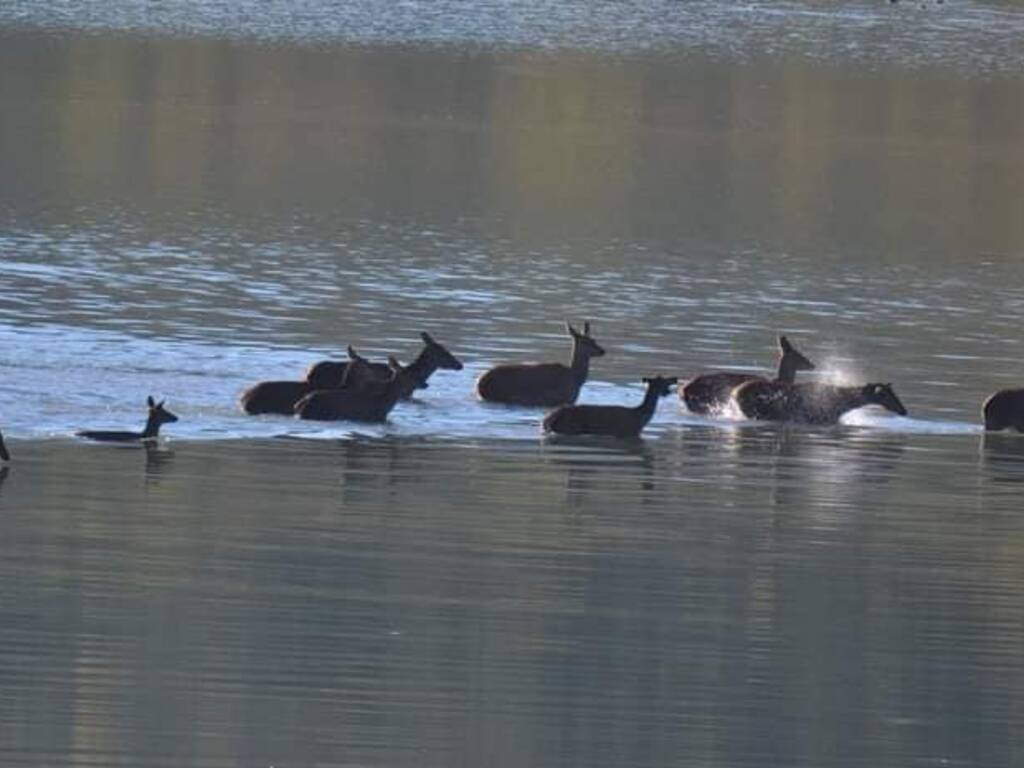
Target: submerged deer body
x,y
542,383
157,415
612,420
273,397
432,357
710,392
1004,410
811,403
280,397
369,401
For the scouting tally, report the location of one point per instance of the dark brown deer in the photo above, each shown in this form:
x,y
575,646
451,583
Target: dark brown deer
x,y
613,420
1004,410
432,357
710,392
368,401
546,384
281,396
157,415
810,403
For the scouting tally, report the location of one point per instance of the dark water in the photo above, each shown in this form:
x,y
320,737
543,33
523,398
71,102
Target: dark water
x,y
196,197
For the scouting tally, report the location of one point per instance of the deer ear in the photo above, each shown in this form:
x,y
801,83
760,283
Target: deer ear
x,y
149,402
161,404
586,327
647,380
426,338
352,354
784,344
393,364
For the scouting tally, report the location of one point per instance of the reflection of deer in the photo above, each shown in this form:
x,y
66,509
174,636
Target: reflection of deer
x,y
1004,410
710,392
542,383
810,403
157,415
614,420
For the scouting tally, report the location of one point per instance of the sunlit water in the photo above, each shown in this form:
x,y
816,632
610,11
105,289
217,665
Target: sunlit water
x,y
197,197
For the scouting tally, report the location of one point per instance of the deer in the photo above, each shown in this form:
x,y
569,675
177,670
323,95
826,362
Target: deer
x,y
542,384
810,403
710,392
432,357
158,415
1004,410
612,420
368,401
280,397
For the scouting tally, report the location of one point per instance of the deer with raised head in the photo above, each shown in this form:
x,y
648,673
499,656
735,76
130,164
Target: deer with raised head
x,y
612,420
542,383
1004,410
281,396
432,357
710,392
157,416
811,403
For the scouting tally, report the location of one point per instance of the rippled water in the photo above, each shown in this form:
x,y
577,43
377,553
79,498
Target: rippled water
x,y
968,33
198,197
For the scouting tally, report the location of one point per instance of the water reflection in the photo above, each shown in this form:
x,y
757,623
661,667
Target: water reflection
x,y
1002,457
416,591
602,469
159,459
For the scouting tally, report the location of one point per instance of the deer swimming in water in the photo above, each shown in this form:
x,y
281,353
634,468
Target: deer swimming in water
x,y
432,357
1004,410
810,403
613,420
367,401
281,396
710,392
542,383
157,415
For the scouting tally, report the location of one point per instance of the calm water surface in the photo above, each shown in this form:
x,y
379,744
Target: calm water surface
x,y
197,197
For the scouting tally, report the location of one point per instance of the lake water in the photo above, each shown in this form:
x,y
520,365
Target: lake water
x,y
198,196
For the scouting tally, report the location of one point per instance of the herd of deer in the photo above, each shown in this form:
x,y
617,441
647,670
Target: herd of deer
x,y
359,390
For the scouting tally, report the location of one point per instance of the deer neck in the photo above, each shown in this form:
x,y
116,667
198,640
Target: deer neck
x,y
787,370
650,402
579,364
847,399
152,427
423,366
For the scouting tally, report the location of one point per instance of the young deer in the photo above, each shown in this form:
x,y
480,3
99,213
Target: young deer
x,y
710,392
281,396
810,403
157,415
432,357
1004,410
369,401
614,420
542,383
